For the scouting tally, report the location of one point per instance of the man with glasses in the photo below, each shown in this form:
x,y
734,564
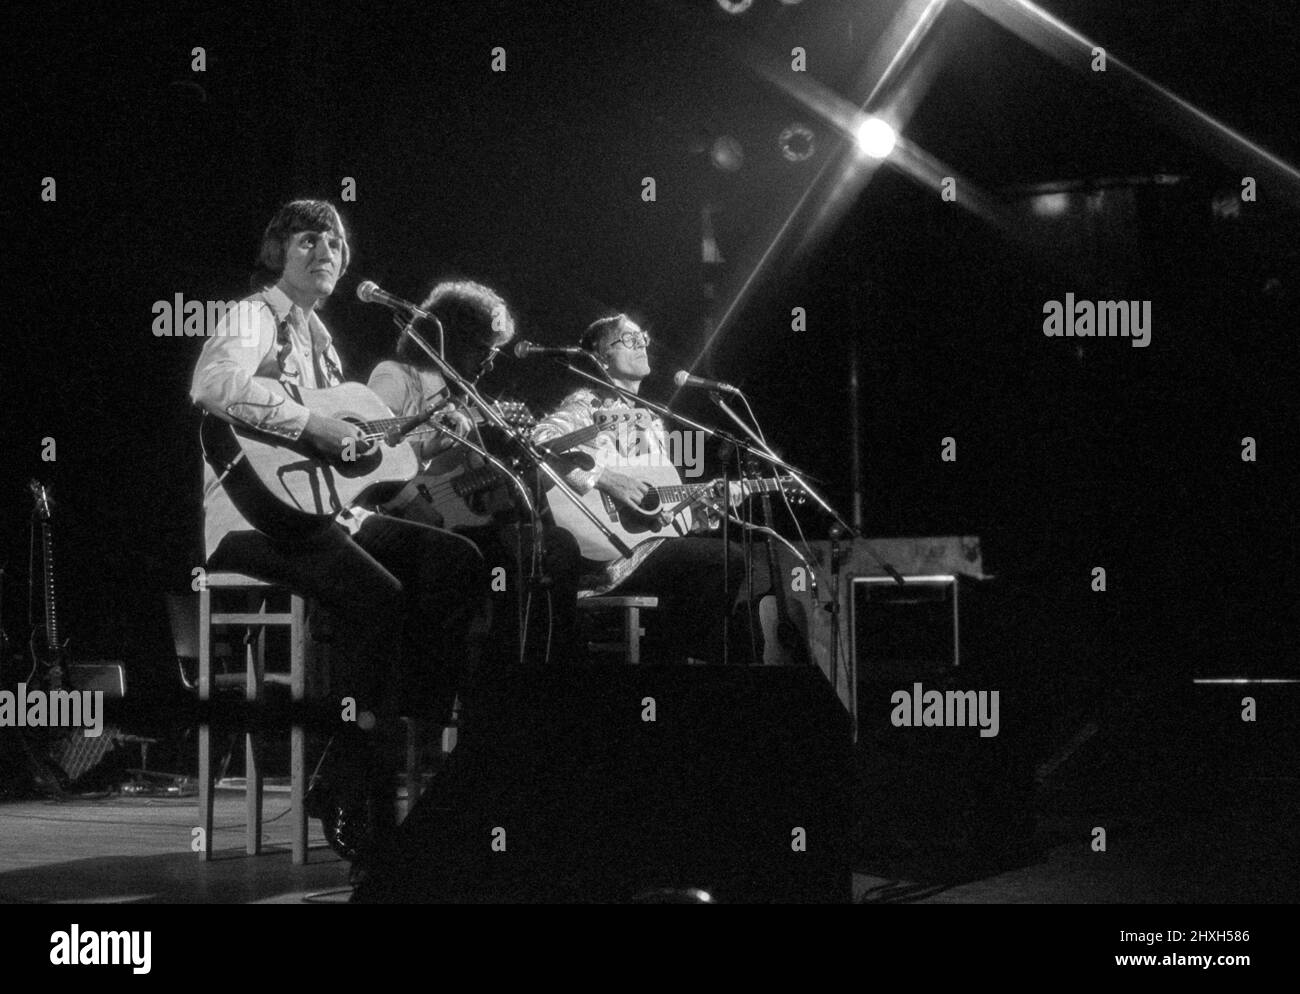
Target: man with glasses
x,y
476,324
684,572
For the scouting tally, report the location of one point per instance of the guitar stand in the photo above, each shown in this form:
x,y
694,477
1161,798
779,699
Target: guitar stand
x,y
145,782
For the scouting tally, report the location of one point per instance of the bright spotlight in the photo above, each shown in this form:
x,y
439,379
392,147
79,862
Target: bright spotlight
x,y
735,6
876,138
1051,204
797,142
727,154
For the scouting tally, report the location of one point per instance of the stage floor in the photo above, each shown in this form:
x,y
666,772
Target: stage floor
x,y
135,849
1232,843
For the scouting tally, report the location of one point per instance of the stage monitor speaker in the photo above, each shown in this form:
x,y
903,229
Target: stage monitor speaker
x,y
635,784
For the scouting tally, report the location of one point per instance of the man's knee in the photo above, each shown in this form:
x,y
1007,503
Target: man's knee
x,y
562,553
457,563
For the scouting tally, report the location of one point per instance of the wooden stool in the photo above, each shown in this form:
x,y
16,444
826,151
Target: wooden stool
x,y
632,630
255,676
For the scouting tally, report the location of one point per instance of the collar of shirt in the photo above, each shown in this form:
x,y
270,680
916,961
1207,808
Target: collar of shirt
x,y
308,329
285,309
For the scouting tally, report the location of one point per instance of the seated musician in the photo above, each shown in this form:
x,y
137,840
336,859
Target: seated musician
x,y
476,324
398,592
684,571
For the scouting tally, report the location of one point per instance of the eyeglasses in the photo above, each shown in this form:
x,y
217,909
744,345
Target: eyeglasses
x,y
632,340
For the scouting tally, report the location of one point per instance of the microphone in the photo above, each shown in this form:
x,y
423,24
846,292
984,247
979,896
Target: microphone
x,y
370,293
685,379
523,350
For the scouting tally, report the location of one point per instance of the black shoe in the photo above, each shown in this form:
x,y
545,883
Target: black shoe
x,y
348,824
358,872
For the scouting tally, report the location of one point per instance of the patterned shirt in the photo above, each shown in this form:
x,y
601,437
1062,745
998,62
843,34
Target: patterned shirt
x,y
608,449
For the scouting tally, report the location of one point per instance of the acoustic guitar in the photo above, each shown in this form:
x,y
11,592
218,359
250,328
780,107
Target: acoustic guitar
x,y
289,491
666,511
465,492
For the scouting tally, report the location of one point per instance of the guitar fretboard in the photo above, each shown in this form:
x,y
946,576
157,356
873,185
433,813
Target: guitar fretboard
x,y
468,484
51,617
689,491
513,413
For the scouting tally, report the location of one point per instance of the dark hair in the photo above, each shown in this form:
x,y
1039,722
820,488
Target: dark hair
x,y
469,312
598,329
293,217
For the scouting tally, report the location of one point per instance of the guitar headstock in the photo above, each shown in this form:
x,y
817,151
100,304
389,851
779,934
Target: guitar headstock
x,y
763,487
607,417
41,494
789,486
515,413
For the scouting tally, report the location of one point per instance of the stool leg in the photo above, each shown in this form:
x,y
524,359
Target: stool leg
x,y
205,728
255,661
297,735
413,778
633,622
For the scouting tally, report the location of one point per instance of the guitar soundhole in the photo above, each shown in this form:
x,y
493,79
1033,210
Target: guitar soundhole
x,y
366,458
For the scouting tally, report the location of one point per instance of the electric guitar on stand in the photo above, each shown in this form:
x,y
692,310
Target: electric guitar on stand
x,y
49,654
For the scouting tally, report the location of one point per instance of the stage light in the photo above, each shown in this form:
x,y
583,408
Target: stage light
x,y
735,6
1226,204
1051,204
727,154
875,138
797,142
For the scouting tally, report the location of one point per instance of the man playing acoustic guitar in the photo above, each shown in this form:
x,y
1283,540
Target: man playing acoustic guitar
x,y
683,571
398,591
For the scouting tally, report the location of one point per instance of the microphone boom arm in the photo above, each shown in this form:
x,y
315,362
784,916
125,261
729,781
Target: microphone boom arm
x,y
525,444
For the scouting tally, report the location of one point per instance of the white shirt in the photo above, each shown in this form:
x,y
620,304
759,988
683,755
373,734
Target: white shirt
x,y
266,335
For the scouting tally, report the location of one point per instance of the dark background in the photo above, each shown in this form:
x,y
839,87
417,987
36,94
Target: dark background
x,y
1071,453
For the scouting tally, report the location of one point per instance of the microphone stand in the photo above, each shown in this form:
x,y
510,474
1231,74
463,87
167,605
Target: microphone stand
x,y
726,558
665,412
736,444
838,530
526,446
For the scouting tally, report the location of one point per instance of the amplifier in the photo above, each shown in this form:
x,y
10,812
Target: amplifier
x,y
110,677
904,631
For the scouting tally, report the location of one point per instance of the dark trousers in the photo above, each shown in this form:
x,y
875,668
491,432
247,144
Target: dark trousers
x,y
545,613
686,575
401,597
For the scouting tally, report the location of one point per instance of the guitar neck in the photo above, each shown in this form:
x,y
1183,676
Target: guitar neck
x,y
574,438
471,482
51,614
689,491
416,425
